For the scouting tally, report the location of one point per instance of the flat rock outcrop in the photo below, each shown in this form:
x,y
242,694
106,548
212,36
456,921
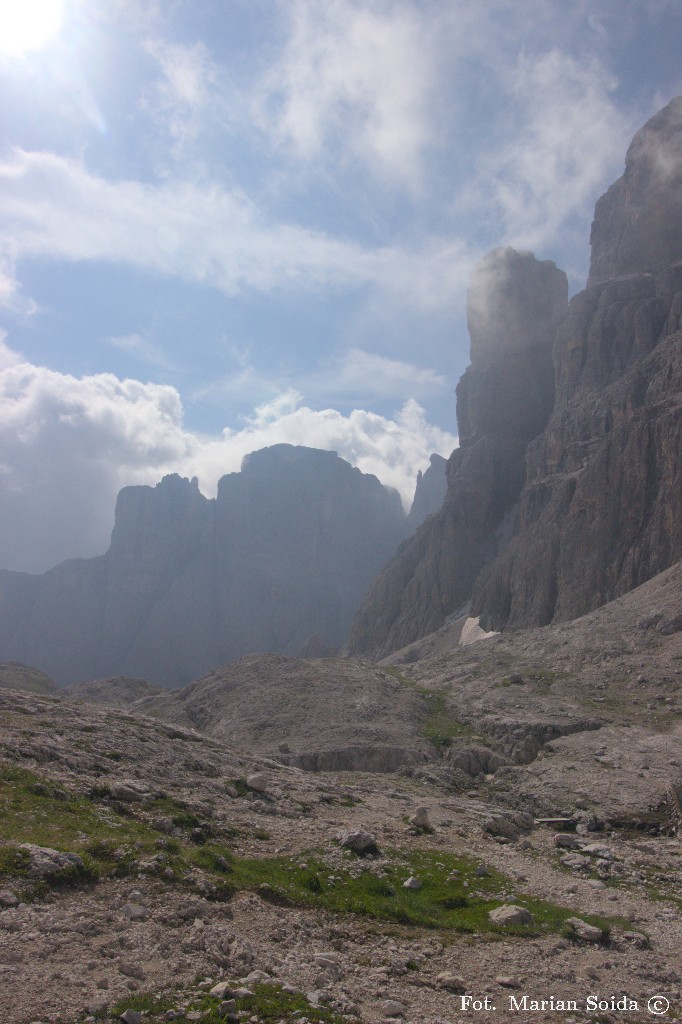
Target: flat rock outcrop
x,y
285,552
503,401
321,715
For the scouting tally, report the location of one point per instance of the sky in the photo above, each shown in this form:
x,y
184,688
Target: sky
x,y
226,224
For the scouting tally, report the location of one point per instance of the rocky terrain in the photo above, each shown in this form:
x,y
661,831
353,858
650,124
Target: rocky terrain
x,y
564,494
186,868
118,691
284,553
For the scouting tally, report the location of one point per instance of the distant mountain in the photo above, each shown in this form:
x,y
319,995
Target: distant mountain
x,y
566,491
284,553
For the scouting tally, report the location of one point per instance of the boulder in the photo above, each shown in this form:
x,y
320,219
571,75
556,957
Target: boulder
x,y
583,930
47,863
509,914
359,842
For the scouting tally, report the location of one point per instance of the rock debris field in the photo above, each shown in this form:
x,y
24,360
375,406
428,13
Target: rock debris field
x,y
525,866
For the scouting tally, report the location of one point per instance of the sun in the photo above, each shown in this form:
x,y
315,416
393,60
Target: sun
x,y
28,25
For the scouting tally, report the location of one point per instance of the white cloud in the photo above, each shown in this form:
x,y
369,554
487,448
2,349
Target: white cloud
x,y
142,348
359,80
568,138
67,445
188,97
52,206
355,373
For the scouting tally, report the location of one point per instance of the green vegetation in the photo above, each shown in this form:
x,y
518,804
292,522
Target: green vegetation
x,y
269,1003
452,896
440,727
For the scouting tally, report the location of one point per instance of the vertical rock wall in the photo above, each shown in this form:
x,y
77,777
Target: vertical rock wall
x,y
503,400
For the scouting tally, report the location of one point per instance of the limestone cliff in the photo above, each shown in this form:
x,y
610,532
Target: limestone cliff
x,y
429,494
285,551
560,498
503,401
601,511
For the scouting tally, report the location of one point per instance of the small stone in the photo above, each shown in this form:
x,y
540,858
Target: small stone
x,y
508,914
222,989
134,912
597,850
568,840
359,842
128,791
392,1008
258,782
132,971
131,1017
413,883
421,818
256,976
452,983
329,963
583,930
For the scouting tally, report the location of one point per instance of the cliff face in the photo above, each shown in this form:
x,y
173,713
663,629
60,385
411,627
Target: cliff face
x,y
285,551
429,494
585,477
601,511
503,400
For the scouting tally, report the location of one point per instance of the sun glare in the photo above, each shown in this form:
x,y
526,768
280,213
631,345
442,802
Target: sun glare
x,y
27,25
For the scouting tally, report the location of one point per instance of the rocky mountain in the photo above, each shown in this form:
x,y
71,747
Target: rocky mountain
x,y
285,552
503,401
566,490
429,494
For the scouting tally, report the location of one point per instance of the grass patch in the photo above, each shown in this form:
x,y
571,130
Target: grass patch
x,y
33,810
440,727
461,903
240,785
269,1003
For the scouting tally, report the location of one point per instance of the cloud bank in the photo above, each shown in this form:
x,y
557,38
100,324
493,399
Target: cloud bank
x,y
68,444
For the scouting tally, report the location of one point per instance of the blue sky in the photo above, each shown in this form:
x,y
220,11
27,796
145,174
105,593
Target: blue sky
x,y
229,223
